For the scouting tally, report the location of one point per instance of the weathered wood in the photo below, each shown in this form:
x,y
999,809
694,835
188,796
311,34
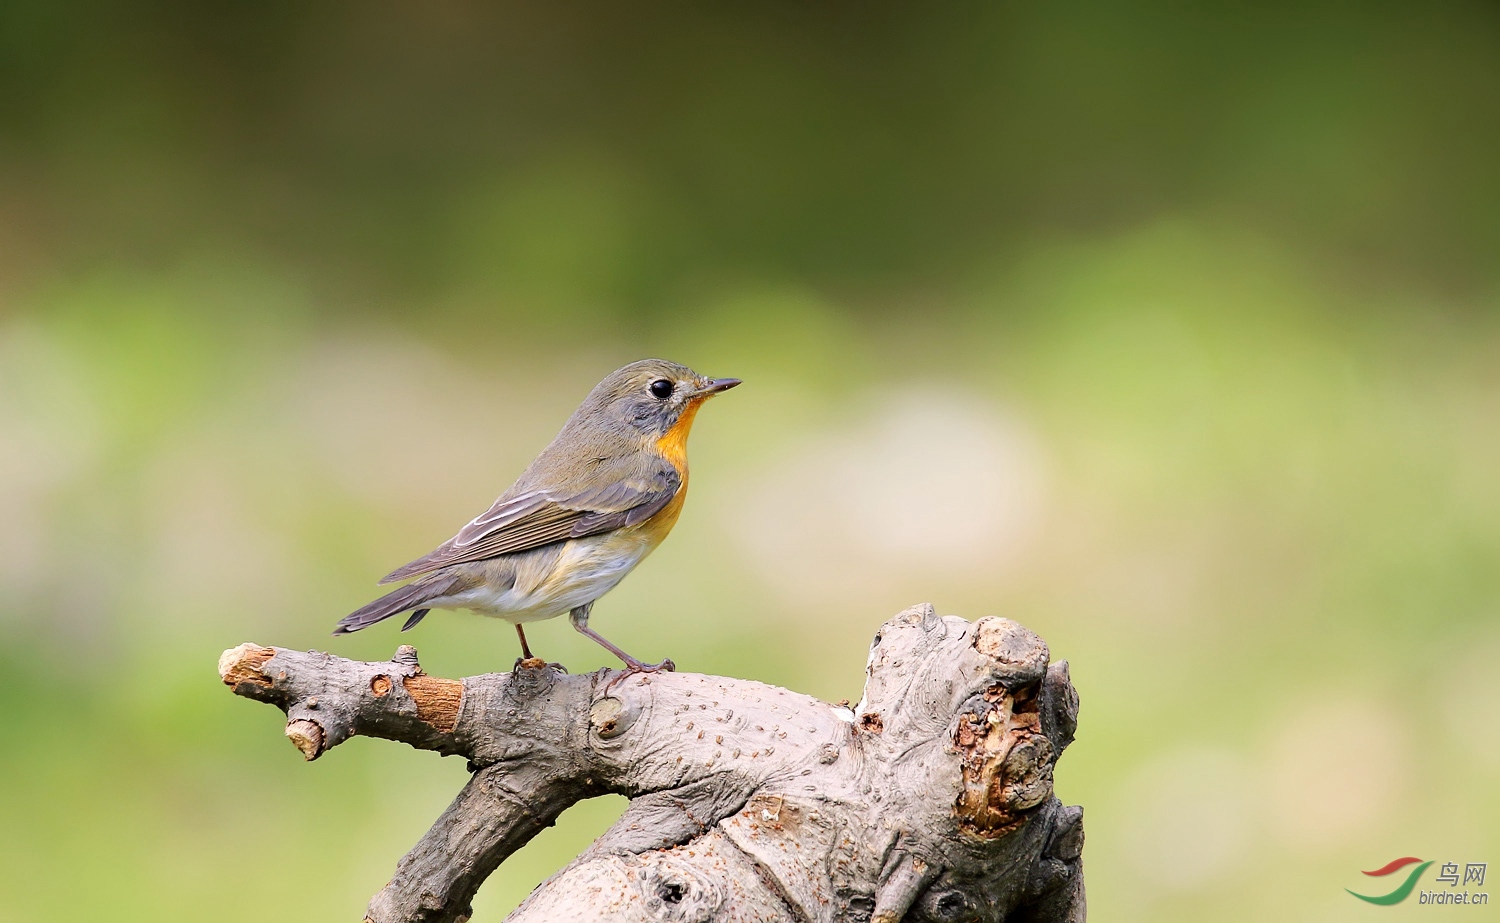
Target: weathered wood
x,y
931,800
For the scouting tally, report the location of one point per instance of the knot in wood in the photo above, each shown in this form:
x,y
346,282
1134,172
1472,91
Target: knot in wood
x,y
610,717
1059,706
1020,656
679,893
406,656
1066,840
1006,761
946,905
527,683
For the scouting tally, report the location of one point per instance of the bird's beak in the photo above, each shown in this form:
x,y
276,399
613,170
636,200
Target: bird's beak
x,y
715,385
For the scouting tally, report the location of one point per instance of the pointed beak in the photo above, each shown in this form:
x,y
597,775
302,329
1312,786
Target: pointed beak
x,y
715,385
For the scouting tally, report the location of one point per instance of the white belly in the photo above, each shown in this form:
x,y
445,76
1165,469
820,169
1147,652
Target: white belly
x,y
585,569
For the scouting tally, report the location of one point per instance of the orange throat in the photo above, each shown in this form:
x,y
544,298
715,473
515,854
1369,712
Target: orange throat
x,y
673,447
673,443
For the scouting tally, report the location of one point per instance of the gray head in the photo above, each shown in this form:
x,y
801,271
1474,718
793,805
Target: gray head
x,y
649,397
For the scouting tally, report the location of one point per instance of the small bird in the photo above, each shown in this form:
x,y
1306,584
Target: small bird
x,y
590,508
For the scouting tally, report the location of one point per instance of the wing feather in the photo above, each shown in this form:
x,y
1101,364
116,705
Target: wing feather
x,y
542,517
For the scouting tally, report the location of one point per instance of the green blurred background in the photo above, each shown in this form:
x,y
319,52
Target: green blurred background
x,y
1171,332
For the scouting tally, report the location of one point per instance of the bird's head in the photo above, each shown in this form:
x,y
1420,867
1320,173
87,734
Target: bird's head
x,y
652,397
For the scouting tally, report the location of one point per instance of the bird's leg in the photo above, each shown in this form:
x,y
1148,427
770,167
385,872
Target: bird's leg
x,y
580,619
530,661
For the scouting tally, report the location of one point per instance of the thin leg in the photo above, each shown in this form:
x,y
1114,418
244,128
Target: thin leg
x,y
525,651
580,619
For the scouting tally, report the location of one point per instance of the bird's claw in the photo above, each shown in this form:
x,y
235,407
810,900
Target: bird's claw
x,y
537,663
633,667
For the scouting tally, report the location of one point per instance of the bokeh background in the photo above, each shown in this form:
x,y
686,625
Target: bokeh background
x,y
1169,331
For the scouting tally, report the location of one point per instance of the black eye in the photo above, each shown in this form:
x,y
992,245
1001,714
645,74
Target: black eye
x,y
661,389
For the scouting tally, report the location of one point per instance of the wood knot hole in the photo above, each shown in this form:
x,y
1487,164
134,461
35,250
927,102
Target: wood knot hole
x,y
605,716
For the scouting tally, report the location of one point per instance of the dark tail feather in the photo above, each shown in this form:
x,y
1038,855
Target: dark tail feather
x,y
394,603
416,617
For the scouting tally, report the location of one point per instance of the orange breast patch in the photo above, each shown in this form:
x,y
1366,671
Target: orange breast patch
x,y
673,447
673,443
656,528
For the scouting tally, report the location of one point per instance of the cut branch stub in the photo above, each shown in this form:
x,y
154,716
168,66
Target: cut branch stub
x,y
328,699
929,801
307,736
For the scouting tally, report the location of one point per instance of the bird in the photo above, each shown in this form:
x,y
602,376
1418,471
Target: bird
x,y
597,500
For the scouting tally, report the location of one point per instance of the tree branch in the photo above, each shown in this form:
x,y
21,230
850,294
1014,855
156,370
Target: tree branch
x,y
930,800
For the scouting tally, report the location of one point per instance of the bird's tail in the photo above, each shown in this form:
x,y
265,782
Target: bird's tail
x,y
395,602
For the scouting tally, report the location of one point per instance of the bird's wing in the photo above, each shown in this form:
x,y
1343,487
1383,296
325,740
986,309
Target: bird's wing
x,y
541,517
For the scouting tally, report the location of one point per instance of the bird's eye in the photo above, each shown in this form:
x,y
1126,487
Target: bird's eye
x,y
661,389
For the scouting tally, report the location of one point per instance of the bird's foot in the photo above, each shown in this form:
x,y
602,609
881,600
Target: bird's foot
x,y
634,667
537,663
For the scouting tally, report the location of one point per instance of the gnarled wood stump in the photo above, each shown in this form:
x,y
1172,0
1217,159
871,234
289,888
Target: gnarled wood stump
x,y
931,800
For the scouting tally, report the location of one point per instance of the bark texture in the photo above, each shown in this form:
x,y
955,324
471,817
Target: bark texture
x,y
931,800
